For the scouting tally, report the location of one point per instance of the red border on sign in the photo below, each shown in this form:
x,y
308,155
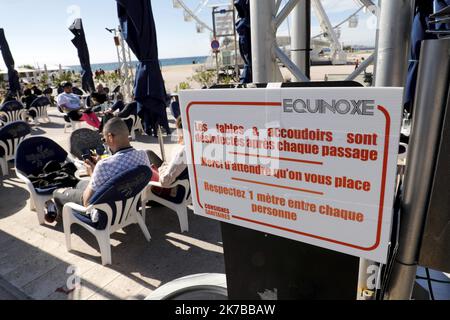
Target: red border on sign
x,y
277,104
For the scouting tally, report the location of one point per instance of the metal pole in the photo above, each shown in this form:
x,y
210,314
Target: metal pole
x,y
265,68
301,37
395,23
117,44
429,107
215,38
392,54
161,143
127,82
236,60
129,61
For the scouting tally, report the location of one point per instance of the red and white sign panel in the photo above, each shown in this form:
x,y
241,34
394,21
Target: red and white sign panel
x,y
316,165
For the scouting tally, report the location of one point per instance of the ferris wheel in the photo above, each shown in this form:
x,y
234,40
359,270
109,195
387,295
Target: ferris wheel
x,y
194,14
330,33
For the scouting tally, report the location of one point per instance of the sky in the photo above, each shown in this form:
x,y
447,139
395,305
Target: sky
x,y
37,31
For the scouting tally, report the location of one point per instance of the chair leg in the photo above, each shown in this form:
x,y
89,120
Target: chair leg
x,y
4,166
143,209
32,203
105,247
67,222
183,217
40,210
144,229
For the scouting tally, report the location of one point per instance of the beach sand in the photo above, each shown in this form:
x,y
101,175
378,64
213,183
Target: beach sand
x,y
174,75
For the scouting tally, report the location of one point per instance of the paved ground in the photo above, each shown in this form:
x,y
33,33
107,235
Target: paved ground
x,y
34,260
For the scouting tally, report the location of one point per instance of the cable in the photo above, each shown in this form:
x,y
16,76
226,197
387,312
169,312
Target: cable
x,y
430,286
432,280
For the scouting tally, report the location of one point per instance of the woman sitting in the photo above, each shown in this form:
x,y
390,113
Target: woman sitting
x,y
168,172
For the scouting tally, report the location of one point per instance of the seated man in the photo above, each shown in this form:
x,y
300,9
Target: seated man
x,y
69,102
124,157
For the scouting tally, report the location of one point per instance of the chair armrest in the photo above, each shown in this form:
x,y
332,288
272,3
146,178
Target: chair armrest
x,y
155,184
173,185
77,207
27,181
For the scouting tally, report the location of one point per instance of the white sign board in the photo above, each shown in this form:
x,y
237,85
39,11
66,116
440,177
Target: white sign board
x,y
316,165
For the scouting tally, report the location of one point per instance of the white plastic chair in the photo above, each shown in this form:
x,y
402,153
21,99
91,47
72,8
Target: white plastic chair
x,y
31,156
11,135
180,209
39,106
74,125
12,111
118,201
136,126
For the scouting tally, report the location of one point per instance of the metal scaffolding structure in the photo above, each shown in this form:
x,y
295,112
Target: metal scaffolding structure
x,y
125,66
268,15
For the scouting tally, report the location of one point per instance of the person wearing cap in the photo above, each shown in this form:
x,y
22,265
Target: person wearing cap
x,y
69,102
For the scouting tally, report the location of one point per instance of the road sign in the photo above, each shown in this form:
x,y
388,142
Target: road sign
x,y
215,45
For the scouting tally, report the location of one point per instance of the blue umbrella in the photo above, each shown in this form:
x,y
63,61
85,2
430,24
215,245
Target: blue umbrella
x,y
138,28
13,76
423,10
244,31
87,82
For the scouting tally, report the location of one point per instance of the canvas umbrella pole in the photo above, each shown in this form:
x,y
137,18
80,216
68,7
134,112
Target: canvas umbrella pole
x,y
139,31
80,44
13,76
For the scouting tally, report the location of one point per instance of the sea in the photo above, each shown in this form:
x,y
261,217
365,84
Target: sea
x,y
111,66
